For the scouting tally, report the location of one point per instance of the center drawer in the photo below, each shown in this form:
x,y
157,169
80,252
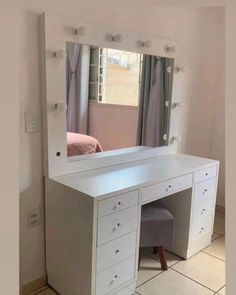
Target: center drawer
x,y
167,187
115,276
116,251
116,225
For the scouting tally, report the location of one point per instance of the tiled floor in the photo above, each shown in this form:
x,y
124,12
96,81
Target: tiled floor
x,y
203,274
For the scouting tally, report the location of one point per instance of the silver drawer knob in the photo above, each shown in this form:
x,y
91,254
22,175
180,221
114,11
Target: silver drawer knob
x,y
115,278
202,229
117,226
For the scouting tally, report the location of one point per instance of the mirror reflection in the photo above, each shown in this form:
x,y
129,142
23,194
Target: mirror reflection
x,y
116,99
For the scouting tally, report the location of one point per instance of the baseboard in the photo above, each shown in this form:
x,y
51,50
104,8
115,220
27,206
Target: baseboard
x,y
220,209
34,286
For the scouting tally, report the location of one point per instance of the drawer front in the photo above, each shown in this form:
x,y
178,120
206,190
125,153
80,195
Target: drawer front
x,y
168,187
116,251
205,174
204,190
130,290
115,204
115,276
201,227
203,208
118,224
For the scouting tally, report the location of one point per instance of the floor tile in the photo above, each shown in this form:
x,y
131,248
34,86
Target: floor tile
x,y
47,292
222,291
205,269
215,236
171,258
171,282
219,226
148,269
217,248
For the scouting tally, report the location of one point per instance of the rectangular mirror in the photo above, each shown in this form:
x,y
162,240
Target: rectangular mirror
x,y
116,99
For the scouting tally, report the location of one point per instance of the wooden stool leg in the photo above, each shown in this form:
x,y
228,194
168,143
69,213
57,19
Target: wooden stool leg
x,y
162,255
155,250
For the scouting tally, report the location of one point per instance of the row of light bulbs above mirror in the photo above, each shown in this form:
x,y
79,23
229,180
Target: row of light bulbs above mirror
x,y
60,54
81,31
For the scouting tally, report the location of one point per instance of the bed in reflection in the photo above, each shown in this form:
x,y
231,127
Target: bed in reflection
x,y
81,144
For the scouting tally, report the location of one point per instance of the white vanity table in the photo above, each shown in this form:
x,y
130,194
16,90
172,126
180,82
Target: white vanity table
x,y
93,204
93,218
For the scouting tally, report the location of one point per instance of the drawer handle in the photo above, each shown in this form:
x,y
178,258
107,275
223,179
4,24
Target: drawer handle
x,y
117,251
169,187
206,174
202,229
204,192
203,210
117,205
114,279
117,226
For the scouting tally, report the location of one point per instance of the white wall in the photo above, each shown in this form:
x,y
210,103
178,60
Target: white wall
x,y
115,126
196,33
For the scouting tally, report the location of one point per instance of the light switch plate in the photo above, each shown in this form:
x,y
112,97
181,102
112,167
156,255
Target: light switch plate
x,y
32,123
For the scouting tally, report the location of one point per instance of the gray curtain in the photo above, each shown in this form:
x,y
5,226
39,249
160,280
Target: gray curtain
x,y
153,115
77,87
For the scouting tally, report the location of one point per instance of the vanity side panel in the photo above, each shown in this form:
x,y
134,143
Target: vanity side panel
x,y
70,239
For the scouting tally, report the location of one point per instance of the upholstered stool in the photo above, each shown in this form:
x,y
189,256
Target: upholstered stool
x,y
157,230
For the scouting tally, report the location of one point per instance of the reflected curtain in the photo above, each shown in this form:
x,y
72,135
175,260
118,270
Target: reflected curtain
x,y
77,79
154,91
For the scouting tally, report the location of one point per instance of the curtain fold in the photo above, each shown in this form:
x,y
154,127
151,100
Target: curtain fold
x,y
77,87
155,89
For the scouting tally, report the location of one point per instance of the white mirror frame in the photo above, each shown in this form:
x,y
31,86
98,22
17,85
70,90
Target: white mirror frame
x,y
55,31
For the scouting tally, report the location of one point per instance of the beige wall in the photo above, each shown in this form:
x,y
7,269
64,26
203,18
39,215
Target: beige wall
x,y
201,48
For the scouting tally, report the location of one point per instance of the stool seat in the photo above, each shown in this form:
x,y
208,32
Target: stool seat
x,y
157,229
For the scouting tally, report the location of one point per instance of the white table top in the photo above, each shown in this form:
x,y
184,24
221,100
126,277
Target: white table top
x,y
109,181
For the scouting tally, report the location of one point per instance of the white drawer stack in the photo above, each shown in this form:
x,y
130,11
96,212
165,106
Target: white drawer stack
x,y
116,244
203,203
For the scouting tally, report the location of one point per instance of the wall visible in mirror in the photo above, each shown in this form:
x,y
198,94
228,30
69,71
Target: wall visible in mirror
x,y
116,99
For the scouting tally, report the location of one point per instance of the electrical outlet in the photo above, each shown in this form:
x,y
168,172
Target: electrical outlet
x,y
34,217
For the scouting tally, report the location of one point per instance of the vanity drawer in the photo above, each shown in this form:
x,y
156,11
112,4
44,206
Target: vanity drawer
x,y
115,204
130,290
205,174
203,208
115,276
168,187
116,251
201,227
205,189
118,224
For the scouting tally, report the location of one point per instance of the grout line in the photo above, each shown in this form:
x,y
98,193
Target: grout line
x,y
220,236
39,291
162,271
213,256
149,256
220,289
193,280
149,279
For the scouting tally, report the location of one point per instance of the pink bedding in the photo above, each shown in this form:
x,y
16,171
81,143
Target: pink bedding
x,y
81,144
